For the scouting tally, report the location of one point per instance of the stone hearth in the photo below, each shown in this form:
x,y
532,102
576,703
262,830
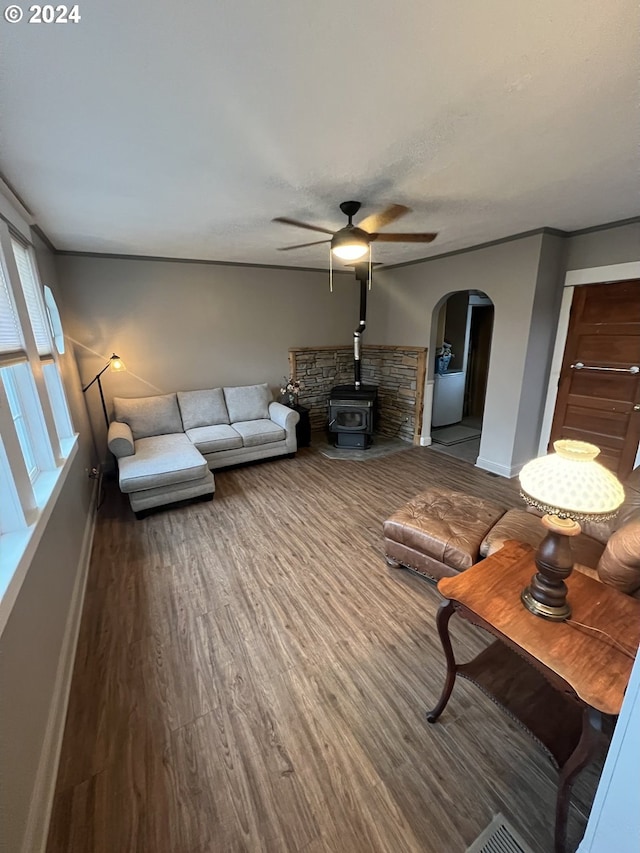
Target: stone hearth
x,y
398,371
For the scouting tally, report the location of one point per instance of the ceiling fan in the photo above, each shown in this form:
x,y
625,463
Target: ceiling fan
x,y
352,241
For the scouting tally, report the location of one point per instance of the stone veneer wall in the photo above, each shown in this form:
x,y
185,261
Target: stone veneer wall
x,y
399,373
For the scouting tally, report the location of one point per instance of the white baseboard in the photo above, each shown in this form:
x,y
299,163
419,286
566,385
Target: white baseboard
x,y
35,838
425,441
507,471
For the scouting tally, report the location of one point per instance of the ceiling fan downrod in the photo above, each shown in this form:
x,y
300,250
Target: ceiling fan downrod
x,y
350,208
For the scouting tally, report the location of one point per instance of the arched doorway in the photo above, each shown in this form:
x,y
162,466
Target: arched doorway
x,y
462,348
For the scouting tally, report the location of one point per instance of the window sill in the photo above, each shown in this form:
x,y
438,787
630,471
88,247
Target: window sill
x,y
17,548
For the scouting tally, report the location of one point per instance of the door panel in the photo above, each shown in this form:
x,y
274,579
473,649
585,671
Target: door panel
x,y
613,386
608,350
613,309
601,424
599,405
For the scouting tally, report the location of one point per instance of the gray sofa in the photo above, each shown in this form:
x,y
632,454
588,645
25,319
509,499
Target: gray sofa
x,y
166,446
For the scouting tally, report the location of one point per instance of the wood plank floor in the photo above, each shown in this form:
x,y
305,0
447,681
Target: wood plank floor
x,y
251,676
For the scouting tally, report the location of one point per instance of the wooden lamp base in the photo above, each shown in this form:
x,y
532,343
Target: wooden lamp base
x,y
546,595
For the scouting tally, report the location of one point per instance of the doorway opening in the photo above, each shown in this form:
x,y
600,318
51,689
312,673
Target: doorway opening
x,y
461,367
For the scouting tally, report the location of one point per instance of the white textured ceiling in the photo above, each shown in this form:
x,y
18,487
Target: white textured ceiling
x,y
181,129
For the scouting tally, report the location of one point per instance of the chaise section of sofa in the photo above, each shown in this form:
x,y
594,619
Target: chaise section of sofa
x,y
166,445
157,464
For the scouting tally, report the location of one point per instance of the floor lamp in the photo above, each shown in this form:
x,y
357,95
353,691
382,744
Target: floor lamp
x,y
115,363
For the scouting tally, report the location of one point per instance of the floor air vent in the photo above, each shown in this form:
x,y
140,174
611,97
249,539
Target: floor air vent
x,y
499,837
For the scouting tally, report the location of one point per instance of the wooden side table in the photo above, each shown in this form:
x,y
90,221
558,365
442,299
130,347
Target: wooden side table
x,y
556,679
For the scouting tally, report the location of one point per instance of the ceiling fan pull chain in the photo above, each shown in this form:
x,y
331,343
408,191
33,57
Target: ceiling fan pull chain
x,y
330,271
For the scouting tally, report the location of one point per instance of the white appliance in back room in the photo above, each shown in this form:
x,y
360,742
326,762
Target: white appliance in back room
x,y
448,398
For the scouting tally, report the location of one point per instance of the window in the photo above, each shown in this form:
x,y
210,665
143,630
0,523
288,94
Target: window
x,y
33,297
37,315
19,421
54,319
36,434
12,346
59,406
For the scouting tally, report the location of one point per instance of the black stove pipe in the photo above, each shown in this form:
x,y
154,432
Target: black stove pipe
x,y
362,275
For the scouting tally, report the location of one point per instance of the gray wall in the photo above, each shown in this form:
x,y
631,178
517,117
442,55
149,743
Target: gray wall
x,y
619,245
184,325
32,641
405,303
524,280
542,336
181,326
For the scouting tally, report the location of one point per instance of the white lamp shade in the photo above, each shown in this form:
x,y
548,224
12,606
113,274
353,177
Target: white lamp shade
x,y
571,484
350,251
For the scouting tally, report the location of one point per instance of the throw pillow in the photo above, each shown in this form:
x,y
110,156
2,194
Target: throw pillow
x,y
247,402
203,408
149,416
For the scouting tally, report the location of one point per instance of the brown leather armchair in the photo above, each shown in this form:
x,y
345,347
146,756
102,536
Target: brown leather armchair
x,y
440,533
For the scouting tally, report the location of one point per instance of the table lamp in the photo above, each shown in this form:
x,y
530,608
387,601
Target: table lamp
x,y
569,486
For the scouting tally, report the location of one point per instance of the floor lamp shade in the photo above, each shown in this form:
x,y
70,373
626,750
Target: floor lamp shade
x,y
569,486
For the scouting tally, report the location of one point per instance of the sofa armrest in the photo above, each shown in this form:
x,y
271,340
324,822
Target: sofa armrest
x,y
284,416
120,440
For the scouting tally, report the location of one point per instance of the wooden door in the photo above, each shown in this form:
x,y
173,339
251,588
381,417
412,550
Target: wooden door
x,y
599,389
480,332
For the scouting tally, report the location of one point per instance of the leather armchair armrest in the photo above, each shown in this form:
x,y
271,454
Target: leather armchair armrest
x,y
619,564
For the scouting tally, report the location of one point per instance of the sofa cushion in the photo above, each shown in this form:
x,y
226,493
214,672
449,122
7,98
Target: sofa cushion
x,y
515,524
247,402
619,565
148,416
209,439
260,431
202,408
161,460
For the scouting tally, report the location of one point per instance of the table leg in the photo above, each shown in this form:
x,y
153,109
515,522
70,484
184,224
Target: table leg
x,y
579,758
445,612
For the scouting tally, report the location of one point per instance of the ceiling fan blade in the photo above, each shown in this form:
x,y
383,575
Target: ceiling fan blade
x,y
287,221
302,245
380,220
404,238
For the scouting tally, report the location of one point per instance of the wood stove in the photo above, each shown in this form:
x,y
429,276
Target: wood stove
x,y
352,415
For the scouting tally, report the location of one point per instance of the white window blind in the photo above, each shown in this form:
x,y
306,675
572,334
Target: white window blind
x,y
33,298
11,341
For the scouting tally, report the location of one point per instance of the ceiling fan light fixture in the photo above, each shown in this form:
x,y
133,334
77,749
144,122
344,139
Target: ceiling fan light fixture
x,y
350,252
350,244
